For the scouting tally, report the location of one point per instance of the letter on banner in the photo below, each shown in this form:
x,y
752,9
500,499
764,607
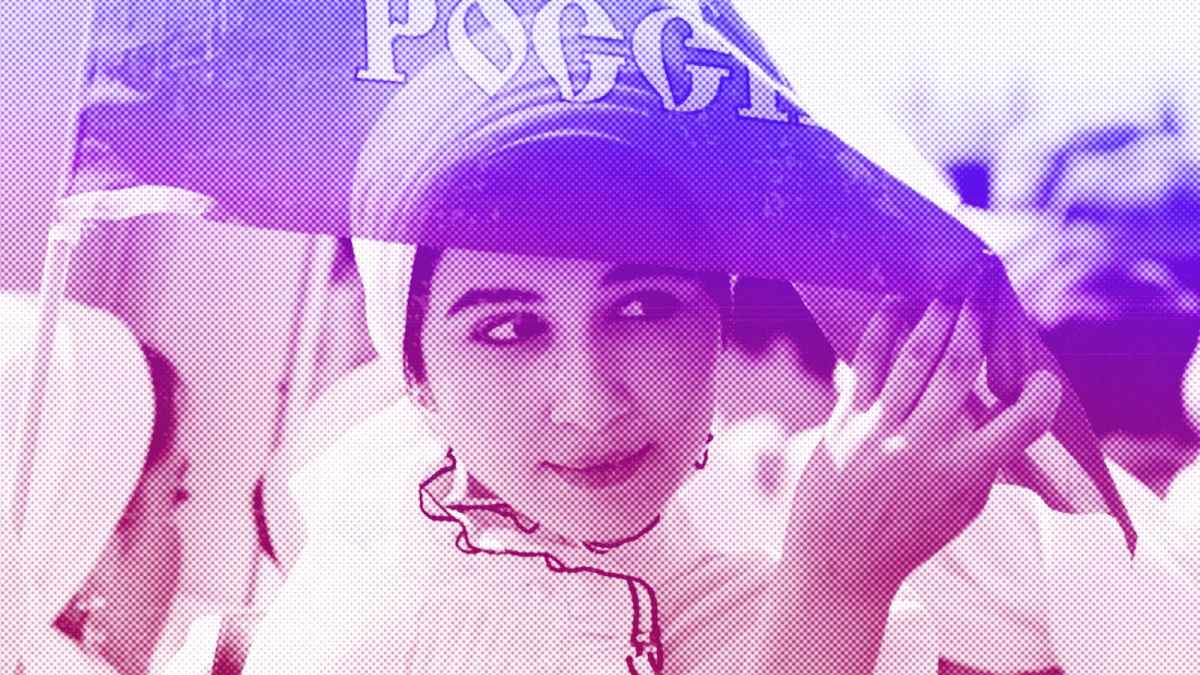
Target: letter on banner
x,y
648,50
547,42
764,101
382,33
473,61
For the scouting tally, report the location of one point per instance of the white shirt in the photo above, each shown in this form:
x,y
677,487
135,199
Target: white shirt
x,y
1025,588
381,588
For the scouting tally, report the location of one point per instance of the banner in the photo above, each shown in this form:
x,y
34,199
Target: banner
x,y
633,131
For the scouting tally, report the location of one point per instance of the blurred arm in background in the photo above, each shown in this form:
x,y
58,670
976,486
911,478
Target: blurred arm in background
x,y
1109,272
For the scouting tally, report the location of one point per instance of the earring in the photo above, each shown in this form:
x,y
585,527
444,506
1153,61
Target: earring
x,y
703,461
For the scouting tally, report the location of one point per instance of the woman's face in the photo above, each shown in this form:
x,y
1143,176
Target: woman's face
x,y
578,392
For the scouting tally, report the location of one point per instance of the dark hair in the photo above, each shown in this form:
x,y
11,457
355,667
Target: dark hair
x,y
425,264
766,310
165,382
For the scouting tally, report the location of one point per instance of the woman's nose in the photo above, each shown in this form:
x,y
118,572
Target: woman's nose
x,y
588,394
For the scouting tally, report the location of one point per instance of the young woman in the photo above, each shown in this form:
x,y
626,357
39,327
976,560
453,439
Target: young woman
x,y
515,514
572,399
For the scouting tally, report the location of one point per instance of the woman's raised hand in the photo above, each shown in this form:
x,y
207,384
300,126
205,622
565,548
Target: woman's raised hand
x,y
917,454
920,452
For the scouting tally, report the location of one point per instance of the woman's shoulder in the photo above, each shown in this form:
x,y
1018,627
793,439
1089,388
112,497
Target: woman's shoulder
x,y
1017,542
1025,586
1017,525
367,484
370,553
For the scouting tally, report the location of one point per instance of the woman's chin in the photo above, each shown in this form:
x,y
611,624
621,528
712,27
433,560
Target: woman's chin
x,y
602,534
606,517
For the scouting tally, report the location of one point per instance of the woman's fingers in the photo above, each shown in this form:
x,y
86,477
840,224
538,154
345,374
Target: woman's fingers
x,y
977,412
953,379
914,364
1014,429
873,354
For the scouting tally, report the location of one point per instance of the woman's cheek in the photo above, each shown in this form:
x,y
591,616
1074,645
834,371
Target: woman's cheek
x,y
672,369
484,402
465,375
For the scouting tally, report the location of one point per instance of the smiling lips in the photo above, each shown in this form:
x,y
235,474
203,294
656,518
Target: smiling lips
x,y
610,472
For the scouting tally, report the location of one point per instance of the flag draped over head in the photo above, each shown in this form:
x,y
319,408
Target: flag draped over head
x,y
642,131
607,117
721,170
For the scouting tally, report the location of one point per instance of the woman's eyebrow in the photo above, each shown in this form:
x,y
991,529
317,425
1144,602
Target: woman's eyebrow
x,y
626,273
491,296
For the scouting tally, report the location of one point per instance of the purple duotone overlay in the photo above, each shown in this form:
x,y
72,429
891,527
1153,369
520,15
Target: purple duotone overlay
x,y
279,113
479,123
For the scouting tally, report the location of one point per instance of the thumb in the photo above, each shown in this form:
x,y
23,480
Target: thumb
x,y
1020,425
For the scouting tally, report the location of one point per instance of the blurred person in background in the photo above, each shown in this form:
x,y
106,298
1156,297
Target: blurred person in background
x,y
772,338
343,387
122,608
1104,267
1125,342
1094,216
100,533
993,614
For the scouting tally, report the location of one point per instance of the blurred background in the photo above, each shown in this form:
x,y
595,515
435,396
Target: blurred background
x,y
1071,129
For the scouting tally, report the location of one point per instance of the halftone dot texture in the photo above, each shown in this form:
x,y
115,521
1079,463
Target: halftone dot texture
x,y
452,165
96,424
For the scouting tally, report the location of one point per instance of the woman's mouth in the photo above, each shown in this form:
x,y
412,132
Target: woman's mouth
x,y
603,474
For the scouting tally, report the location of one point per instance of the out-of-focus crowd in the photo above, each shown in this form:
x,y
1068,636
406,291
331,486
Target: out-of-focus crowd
x,y
1097,225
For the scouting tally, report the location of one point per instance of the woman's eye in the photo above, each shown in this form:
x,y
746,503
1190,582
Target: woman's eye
x,y
650,305
511,330
632,309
